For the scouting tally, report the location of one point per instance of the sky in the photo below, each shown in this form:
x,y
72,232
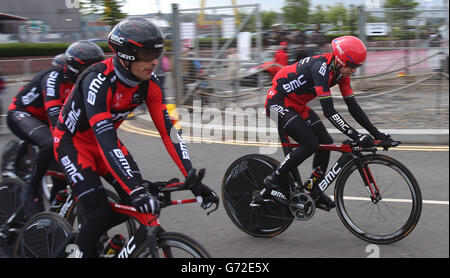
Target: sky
x,y
136,7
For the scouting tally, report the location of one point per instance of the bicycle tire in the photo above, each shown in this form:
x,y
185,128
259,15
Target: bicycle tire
x,y
174,245
41,236
10,199
244,177
385,180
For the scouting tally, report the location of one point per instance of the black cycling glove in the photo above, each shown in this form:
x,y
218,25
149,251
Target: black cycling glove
x,y
144,202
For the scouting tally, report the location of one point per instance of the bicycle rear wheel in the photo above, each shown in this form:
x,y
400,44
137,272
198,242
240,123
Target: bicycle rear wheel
x,y
174,245
10,201
242,179
42,236
388,220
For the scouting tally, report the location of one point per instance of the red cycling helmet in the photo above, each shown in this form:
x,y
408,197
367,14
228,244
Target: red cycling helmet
x,y
349,51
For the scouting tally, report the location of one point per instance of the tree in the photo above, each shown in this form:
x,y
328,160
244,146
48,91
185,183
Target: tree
x,y
401,9
296,11
268,19
109,10
337,14
398,12
112,11
319,15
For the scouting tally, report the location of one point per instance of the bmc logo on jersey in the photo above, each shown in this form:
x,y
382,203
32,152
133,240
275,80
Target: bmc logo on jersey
x,y
94,87
294,84
51,83
323,69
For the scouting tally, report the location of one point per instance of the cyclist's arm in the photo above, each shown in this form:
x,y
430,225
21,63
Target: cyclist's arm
x,y
115,156
170,136
355,110
323,92
50,85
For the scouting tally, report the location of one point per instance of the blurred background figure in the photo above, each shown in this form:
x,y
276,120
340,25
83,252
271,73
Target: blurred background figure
x,y
319,38
281,57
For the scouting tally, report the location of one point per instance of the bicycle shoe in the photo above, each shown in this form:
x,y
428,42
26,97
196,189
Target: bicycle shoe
x,y
273,189
325,202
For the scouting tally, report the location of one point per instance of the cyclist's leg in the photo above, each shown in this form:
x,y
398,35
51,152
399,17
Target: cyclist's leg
x,y
79,162
291,123
35,132
321,158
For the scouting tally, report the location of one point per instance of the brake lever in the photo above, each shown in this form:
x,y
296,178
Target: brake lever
x,y
214,209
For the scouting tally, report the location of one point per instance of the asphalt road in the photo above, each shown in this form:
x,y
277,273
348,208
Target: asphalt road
x,y
324,236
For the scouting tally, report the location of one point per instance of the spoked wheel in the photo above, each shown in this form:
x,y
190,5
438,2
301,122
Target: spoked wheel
x,y
243,179
42,236
174,245
10,191
395,211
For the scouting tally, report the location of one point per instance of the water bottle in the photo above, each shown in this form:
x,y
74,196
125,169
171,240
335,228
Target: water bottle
x,y
59,200
316,175
114,246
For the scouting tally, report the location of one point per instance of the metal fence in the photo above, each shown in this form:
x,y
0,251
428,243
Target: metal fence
x,y
215,49
218,54
210,65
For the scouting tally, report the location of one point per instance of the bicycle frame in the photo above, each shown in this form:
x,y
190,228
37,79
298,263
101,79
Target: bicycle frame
x,y
349,153
150,226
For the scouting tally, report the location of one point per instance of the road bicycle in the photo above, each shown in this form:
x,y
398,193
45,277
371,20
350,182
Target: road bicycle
x,y
16,162
12,215
47,235
377,198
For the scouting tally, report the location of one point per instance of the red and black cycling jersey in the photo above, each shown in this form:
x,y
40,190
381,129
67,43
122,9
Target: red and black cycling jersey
x,y
44,95
313,77
96,107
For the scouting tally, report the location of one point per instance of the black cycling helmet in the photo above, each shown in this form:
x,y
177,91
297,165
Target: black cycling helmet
x,y
80,55
59,60
135,39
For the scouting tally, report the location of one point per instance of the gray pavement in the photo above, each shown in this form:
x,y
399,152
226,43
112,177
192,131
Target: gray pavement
x,y
417,115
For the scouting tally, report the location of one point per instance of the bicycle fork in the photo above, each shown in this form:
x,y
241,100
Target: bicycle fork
x,y
369,181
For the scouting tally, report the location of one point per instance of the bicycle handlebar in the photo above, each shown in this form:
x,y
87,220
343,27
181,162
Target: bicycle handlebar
x,y
377,144
164,189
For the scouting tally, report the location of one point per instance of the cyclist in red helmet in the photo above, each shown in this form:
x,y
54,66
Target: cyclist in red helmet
x,y
86,141
297,84
34,111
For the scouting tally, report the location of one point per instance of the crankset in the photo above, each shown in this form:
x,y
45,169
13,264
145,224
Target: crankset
x,y
302,206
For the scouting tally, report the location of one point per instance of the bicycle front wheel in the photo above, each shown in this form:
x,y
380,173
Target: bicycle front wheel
x,y
174,245
10,201
389,219
42,236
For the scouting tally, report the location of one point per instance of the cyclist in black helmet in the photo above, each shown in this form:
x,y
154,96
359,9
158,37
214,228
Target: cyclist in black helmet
x,y
102,98
33,113
59,60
